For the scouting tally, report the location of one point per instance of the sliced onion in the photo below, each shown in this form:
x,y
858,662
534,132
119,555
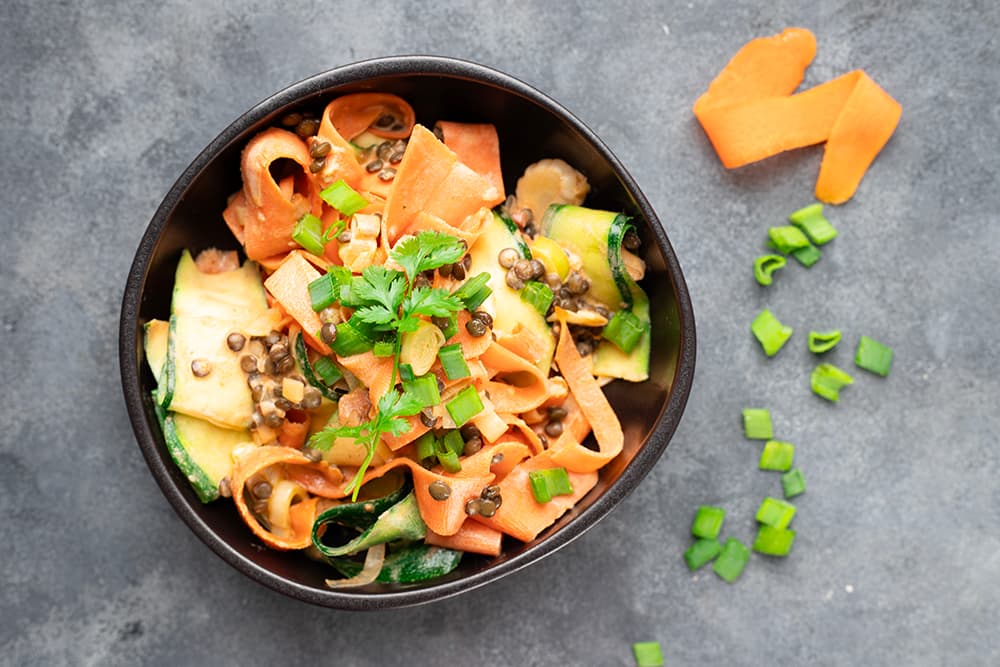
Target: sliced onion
x,y
279,504
373,565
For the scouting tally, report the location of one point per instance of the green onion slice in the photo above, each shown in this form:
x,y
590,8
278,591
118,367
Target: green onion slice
x,y
827,381
453,361
731,560
708,522
873,356
625,330
453,442
793,483
701,553
647,654
327,371
757,424
308,233
350,341
807,256
465,405
424,389
771,333
384,348
344,198
773,541
549,482
775,512
474,291
765,265
813,223
786,238
823,341
426,447
777,455
539,295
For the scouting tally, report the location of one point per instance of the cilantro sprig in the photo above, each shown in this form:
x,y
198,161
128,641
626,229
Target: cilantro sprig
x,y
388,302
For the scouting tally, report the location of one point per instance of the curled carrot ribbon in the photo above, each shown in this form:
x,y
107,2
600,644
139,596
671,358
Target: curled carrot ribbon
x,y
749,112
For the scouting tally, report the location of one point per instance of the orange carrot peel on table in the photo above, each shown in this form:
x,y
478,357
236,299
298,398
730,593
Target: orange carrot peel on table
x,y
749,112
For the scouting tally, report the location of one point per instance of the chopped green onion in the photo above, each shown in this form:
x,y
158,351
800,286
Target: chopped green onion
x,y
811,221
775,513
827,381
453,441
539,488
731,560
426,447
323,292
647,654
823,341
451,328
771,333
465,405
539,295
786,238
793,483
708,522
773,541
757,424
448,459
406,372
327,371
474,291
701,552
873,356
453,361
308,233
350,341
384,348
424,389
776,455
549,482
807,256
624,330
765,265
344,198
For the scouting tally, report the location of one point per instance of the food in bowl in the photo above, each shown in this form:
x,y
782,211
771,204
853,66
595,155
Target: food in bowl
x,y
408,363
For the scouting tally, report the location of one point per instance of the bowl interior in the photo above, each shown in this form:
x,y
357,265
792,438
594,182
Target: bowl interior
x,y
530,127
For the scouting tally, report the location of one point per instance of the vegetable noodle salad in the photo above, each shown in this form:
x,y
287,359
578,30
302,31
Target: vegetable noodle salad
x,y
408,363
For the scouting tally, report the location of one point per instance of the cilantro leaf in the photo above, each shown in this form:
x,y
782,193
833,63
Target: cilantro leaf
x,y
431,302
375,314
427,250
383,286
324,439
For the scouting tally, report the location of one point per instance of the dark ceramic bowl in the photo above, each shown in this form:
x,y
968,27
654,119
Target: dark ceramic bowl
x,y
531,126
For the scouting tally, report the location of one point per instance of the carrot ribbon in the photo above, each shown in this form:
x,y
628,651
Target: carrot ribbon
x,y
749,112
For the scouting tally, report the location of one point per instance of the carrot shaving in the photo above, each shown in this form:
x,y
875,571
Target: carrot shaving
x,y
472,537
478,147
294,429
373,372
520,515
268,212
301,515
568,452
525,387
289,284
430,179
749,112
319,479
353,114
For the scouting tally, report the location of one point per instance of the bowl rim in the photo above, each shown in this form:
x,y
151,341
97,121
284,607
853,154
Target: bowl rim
x,y
644,460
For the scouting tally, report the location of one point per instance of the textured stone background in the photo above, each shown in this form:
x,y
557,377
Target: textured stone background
x,y
898,556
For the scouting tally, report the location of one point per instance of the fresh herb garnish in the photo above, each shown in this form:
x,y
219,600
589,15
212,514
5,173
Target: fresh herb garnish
x,y
387,301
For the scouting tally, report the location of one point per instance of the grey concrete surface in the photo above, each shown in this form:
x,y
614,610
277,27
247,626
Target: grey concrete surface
x,y
898,553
